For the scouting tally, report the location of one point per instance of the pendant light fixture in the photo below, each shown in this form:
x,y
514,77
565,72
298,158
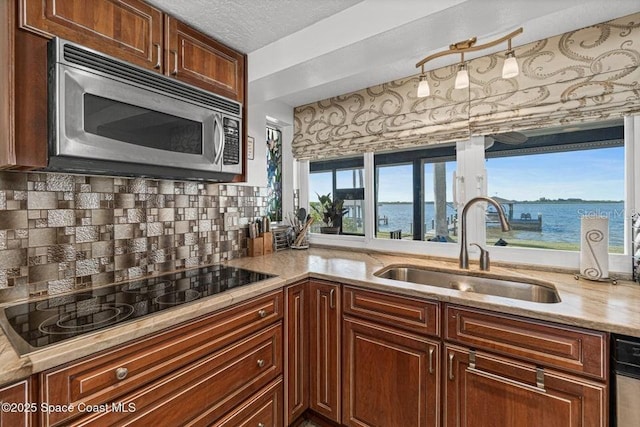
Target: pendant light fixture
x,y
509,70
510,67
462,77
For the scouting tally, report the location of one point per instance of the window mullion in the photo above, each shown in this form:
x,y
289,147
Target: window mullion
x,y
369,198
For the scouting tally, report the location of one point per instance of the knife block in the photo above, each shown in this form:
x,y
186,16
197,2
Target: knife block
x,y
267,242
255,246
261,245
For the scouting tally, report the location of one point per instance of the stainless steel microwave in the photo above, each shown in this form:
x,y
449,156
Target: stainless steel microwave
x,y
110,117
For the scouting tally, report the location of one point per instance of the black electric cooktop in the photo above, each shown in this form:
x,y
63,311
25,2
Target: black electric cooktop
x,y
41,323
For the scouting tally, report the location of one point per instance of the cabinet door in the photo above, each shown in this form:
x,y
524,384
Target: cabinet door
x,y
201,61
391,377
130,30
324,360
16,396
485,390
297,352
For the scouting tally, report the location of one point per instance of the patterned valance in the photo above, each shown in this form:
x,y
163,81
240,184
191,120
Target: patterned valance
x,y
584,75
384,117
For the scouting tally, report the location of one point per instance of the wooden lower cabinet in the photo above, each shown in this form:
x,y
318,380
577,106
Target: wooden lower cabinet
x,y
202,392
481,390
324,356
296,342
20,406
390,377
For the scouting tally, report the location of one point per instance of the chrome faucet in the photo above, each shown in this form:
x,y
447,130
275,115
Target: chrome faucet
x,y
464,254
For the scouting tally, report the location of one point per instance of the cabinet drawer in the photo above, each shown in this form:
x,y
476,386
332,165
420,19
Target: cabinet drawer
x,y
94,380
573,349
401,312
203,391
262,409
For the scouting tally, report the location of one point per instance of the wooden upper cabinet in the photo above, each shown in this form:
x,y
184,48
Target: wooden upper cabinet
x,y
194,58
127,29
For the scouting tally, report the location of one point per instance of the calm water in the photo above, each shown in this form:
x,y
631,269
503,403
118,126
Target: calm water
x,y
560,221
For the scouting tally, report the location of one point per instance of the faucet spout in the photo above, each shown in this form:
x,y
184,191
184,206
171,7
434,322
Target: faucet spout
x,y
464,254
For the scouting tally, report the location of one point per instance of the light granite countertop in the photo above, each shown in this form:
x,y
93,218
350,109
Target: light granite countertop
x,y
593,305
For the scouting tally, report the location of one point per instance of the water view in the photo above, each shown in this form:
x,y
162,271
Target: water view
x,y
560,222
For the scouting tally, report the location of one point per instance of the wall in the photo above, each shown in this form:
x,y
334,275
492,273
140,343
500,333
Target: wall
x,y
61,232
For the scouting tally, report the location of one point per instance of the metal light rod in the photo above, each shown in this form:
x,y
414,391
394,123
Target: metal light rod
x,y
468,46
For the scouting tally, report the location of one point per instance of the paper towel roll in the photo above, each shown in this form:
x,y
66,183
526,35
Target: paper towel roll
x,y
594,247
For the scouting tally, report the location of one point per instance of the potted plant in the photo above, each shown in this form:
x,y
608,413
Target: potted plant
x,y
331,212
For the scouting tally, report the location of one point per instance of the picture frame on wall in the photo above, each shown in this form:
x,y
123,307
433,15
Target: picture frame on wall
x,y
251,145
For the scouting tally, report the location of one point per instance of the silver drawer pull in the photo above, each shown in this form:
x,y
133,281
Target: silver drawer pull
x,y
121,373
261,425
260,363
262,313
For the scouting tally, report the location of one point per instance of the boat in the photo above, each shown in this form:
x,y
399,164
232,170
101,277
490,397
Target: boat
x,y
526,221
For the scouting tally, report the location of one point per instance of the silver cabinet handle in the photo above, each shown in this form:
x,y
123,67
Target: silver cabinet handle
x,y
451,356
175,63
332,303
262,313
121,373
488,375
431,350
158,59
261,425
260,363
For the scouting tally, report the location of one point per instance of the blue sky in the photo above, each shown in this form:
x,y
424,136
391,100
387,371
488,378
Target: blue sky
x,y
588,174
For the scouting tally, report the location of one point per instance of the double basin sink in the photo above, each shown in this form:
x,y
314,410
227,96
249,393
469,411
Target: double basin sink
x,y
530,290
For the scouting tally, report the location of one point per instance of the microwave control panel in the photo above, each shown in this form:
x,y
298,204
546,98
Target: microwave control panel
x,y
231,154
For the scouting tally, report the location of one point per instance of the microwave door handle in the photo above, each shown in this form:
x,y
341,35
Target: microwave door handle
x,y
220,149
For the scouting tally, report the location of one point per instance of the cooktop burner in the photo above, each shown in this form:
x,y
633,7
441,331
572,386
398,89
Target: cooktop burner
x,y
41,323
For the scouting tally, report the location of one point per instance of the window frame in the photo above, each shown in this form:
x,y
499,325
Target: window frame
x,y
471,181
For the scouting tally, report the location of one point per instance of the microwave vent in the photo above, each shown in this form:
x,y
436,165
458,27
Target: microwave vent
x,y
76,55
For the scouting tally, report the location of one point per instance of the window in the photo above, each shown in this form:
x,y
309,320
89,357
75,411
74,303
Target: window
x,y
440,214
342,180
547,183
561,174
414,195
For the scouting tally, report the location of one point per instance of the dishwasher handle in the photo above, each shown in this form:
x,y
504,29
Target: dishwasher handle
x,y
626,356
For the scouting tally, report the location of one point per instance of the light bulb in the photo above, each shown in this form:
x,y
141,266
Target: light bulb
x,y
423,87
510,68
462,78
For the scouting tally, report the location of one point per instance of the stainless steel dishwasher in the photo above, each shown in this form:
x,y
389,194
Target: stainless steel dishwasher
x,y
626,381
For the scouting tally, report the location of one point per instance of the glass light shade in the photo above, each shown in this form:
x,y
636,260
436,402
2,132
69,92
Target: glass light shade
x,y
423,87
462,78
510,68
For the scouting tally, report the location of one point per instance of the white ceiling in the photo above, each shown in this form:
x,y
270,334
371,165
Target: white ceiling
x,y
302,51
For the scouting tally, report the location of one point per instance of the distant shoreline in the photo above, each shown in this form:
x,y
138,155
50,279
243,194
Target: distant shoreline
x,y
524,202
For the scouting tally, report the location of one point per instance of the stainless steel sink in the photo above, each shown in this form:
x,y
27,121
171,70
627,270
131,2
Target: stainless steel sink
x,y
530,290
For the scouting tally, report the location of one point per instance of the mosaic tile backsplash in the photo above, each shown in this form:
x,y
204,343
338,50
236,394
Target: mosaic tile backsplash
x,y
63,232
